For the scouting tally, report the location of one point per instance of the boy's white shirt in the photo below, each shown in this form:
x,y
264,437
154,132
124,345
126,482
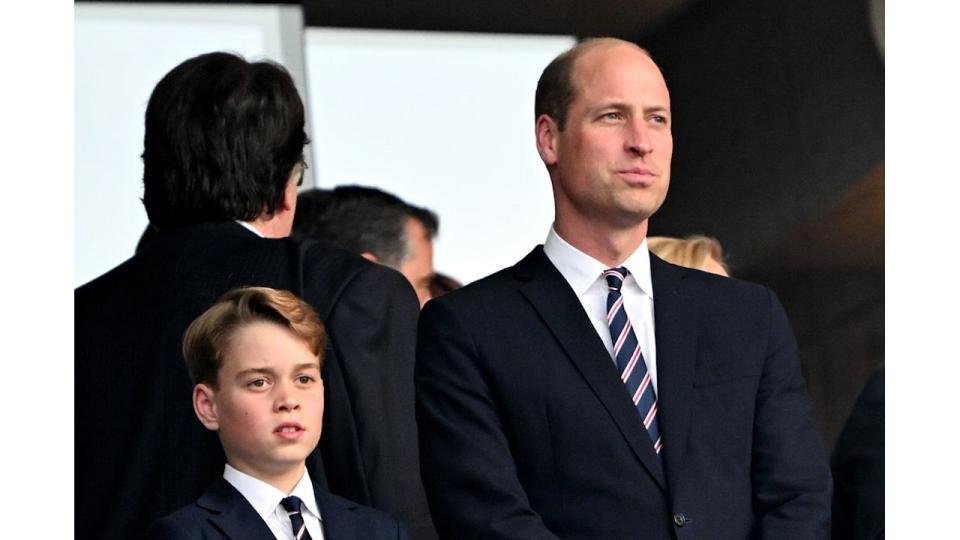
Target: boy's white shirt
x,y
265,499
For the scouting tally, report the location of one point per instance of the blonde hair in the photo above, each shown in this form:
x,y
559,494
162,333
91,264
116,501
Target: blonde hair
x,y
208,336
692,252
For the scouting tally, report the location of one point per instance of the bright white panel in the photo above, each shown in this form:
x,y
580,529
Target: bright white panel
x,y
122,51
443,121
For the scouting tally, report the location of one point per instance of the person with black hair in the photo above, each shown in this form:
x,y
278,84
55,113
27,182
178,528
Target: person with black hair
x,y
223,156
375,224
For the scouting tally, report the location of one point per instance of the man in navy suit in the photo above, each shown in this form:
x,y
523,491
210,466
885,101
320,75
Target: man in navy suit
x,y
255,358
595,391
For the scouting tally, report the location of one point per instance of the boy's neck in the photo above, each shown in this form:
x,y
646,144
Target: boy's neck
x,y
285,480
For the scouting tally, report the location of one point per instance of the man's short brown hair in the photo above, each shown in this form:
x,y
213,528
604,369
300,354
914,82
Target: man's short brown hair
x,y
208,336
555,89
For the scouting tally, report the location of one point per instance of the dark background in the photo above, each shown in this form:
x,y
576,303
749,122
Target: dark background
x,y
779,146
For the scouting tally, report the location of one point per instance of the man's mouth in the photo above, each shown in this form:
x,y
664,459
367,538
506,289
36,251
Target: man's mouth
x,y
637,175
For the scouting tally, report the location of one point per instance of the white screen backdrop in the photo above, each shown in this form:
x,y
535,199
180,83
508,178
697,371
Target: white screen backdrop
x,y
443,121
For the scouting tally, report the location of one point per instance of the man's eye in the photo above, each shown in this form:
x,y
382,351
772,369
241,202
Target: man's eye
x,y
305,379
612,116
257,383
658,119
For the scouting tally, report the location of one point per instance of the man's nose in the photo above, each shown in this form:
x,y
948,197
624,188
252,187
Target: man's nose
x,y
638,139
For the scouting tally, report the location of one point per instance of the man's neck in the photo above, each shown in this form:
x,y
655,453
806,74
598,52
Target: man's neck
x,y
270,228
609,246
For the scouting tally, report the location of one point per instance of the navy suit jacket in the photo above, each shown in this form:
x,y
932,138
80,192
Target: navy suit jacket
x,y
528,433
223,513
140,452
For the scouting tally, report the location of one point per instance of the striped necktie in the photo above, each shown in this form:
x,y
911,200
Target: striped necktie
x,y
630,363
292,505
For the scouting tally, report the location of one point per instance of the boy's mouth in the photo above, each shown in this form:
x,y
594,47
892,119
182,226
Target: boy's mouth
x,y
289,430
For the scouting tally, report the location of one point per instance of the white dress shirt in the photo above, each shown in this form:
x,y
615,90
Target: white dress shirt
x,y
583,273
265,499
249,226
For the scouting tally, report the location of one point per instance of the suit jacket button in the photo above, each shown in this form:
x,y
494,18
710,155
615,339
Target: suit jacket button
x,y
680,520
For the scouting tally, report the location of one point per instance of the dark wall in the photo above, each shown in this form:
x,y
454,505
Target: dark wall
x,y
778,109
778,115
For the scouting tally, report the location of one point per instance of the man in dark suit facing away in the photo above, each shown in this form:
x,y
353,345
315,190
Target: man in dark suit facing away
x,y
223,156
595,391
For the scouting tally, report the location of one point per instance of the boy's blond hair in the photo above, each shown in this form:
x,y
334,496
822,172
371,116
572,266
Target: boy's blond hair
x,y
208,336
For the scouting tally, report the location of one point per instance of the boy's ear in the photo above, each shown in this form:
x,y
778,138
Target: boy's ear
x,y
205,407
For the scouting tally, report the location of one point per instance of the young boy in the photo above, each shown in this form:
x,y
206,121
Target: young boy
x,y
255,358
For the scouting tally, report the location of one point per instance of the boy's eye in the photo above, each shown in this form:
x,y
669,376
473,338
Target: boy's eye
x,y
257,383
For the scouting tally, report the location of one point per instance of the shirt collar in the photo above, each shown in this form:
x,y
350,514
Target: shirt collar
x,y
265,498
581,270
249,226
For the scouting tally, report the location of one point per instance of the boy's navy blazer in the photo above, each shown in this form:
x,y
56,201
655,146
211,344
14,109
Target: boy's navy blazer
x,y
222,512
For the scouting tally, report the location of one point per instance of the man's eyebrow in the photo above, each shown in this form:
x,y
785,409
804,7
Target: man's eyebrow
x,y
657,108
619,105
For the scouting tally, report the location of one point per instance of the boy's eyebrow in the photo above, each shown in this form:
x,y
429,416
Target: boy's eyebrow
x,y
307,365
271,371
250,371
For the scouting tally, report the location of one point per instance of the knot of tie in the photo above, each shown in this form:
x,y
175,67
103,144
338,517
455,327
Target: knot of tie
x,y
291,504
615,277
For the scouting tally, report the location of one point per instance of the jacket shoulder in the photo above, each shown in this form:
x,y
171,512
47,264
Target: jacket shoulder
x,y
188,523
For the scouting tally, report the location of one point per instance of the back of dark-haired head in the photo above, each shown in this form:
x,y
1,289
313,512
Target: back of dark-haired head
x,y
222,137
555,88
360,219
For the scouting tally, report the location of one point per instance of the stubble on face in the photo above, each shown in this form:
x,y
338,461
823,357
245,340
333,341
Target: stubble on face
x,y
613,158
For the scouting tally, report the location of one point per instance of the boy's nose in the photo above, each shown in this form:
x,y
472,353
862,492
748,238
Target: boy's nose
x,y
286,400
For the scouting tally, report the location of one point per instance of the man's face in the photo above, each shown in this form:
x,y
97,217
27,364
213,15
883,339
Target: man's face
x,y
418,267
610,166
269,406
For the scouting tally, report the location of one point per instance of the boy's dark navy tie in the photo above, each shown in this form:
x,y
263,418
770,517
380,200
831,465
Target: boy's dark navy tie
x,y
292,505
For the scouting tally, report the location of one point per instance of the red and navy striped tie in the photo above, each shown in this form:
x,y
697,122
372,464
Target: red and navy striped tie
x,y
292,505
626,351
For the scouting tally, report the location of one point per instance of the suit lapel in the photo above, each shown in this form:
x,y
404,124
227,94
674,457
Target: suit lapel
x,y
549,293
232,513
337,518
675,319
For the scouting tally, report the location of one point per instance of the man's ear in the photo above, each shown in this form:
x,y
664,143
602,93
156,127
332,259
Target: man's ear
x,y
205,407
547,133
289,200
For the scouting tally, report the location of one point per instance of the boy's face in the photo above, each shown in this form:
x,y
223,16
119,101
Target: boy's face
x,y
268,410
